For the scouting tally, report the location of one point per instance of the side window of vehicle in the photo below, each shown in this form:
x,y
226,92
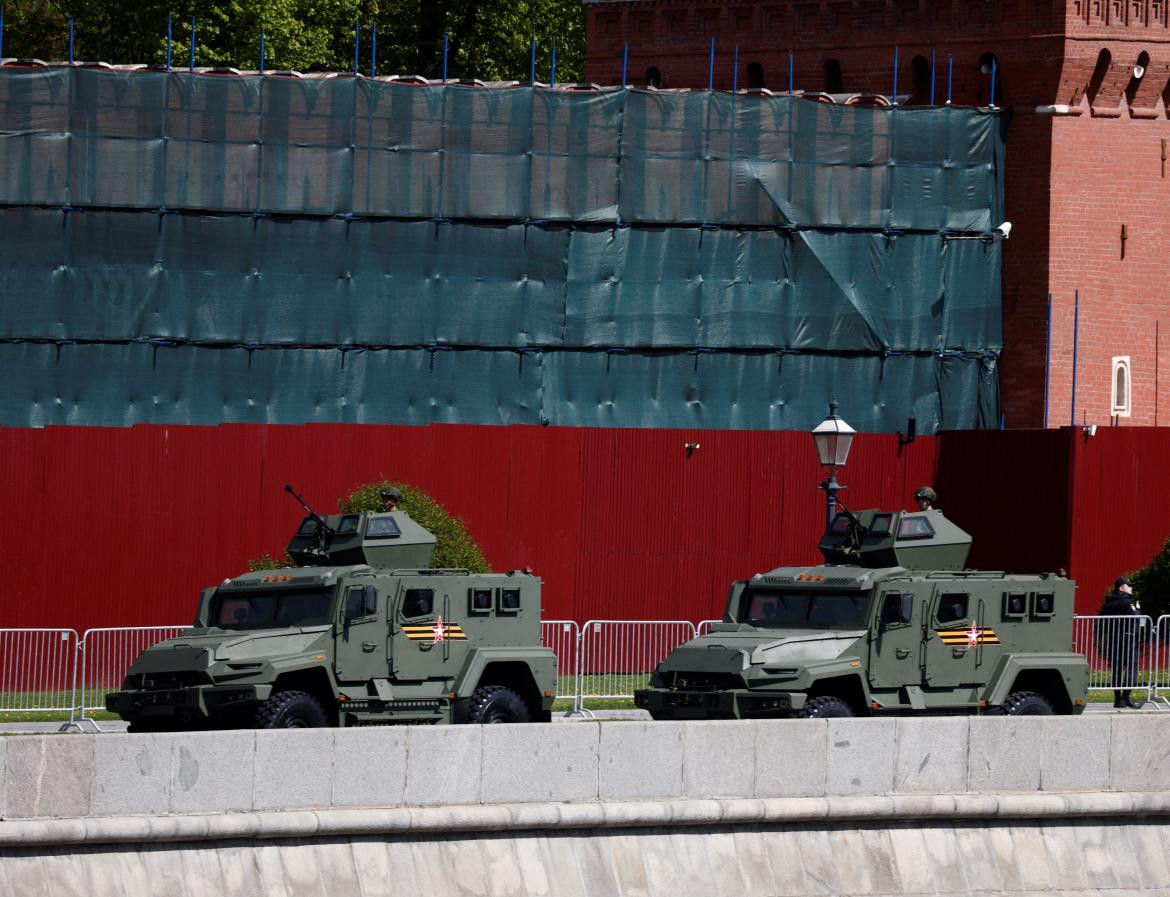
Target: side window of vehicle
x,y
360,601
952,607
418,602
897,608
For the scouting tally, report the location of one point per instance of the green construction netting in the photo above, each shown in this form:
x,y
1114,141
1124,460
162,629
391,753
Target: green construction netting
x,y
111,384
612,258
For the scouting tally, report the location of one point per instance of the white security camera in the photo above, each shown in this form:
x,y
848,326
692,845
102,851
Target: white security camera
x,y
1005,229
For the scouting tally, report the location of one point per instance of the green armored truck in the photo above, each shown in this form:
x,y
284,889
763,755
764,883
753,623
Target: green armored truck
x,y
360,632
889,624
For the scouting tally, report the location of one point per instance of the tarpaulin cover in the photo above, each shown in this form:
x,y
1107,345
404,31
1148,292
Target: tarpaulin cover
x,y
598,258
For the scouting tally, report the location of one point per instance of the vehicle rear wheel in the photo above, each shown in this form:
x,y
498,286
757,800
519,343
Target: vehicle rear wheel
x,y
1027,703
497,704
824,707
291,710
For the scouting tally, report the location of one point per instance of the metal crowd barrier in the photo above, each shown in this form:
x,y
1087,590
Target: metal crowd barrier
x,y
564,637
38,670
618,656
1124,653
1160,660
104,657
54,671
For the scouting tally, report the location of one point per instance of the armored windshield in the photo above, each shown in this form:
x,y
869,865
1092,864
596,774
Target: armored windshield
x,y
275,609
790,609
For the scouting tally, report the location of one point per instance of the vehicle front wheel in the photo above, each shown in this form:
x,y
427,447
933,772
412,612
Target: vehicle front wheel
x,y
1027,703
497,704
824,707
152,726
291,710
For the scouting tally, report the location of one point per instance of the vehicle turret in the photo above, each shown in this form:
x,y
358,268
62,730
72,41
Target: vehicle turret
x,y
387,541
915,540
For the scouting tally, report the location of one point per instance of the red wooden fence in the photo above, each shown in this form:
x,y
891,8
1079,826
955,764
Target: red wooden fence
x,y
123,526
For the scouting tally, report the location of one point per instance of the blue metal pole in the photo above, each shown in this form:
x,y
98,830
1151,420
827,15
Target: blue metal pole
x,y
446,44
552,69
374,51
191,62
1076,336
950,75
1,33
994,66
711,67
735,71
71,40
261,49
1047,360
357,42
532,61
894,96
625,62
168,43
932,77
791,82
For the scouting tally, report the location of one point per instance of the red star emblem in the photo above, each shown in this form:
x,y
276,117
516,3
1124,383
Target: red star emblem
x,y
973,635
440,631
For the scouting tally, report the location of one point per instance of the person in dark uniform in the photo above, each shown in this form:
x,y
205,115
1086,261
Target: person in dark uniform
x,y
1117,639
925,497
390,496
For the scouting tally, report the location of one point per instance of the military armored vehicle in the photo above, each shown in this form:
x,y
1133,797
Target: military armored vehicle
x,y
360,632
890,623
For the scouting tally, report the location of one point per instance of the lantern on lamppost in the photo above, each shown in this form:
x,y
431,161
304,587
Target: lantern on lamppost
x,y
833,438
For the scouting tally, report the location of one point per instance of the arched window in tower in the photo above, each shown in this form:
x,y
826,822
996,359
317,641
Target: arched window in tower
x,y
1136,75
653,77
834,81
1104,60
991,80
755,76
919,81
1120,402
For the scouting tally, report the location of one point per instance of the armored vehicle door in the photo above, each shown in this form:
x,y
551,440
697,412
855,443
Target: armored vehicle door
x,y
361,635
961,649
895,648
427,642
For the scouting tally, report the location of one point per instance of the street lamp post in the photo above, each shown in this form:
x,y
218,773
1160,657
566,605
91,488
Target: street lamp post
x,y
833,438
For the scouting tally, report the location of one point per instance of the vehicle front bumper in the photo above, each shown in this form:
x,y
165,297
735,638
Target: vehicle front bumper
x,y
188,704
740,703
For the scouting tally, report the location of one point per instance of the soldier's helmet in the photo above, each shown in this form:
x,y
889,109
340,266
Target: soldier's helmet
x,y
391,493
925,493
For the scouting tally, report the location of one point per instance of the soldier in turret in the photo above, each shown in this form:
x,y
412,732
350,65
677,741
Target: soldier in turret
x,y
925,497
390,496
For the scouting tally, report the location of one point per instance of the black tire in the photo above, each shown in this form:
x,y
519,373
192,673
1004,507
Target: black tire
x,y
291,710
497,704
1027,703
138,727
825,707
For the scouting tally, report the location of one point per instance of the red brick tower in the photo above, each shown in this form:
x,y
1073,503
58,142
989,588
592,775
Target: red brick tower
x,y
1086,182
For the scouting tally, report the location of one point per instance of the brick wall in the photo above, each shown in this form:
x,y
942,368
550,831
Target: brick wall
x,y
1071,180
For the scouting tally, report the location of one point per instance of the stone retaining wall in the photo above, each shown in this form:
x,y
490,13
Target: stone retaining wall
x,y
245,770
1030,806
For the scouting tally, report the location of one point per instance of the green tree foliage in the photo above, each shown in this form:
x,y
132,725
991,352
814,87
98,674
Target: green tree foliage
x,y
267,562
1151,584
454,548
488,39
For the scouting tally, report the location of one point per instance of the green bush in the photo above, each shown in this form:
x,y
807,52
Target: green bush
x,y
1151,584
267,562
454,548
